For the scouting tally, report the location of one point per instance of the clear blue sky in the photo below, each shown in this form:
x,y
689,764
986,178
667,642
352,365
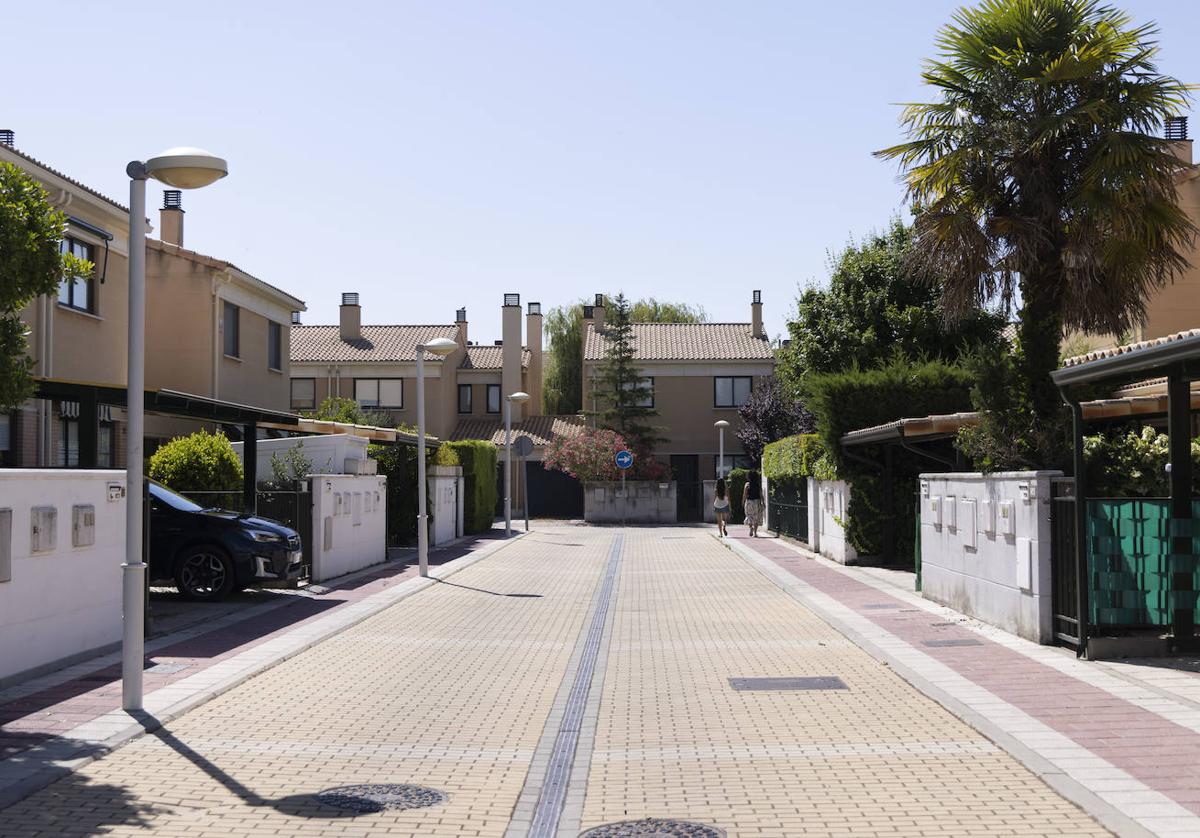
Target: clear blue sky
x,y
431,155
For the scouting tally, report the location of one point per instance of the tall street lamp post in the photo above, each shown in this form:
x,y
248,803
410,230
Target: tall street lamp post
x,y
520,398
721,425
440,347
183,168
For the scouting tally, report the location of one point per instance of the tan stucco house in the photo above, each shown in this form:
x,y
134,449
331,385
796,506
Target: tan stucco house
x,y
698,373
79,335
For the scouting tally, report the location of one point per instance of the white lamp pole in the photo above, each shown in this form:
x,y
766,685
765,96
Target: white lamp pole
x,y
185,168
721,425
519,397
440,347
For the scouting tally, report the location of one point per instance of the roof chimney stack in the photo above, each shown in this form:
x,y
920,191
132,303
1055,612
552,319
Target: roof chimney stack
x,y
598,313
350,317
295,318
1176,134
170,218
8,137
460,320
756,323
533,337
510,331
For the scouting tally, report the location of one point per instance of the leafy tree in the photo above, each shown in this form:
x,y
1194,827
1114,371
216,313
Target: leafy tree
x,y
619,388
771,413
591,455
349,412
563,376
31,264
875,307
1036,178
201,462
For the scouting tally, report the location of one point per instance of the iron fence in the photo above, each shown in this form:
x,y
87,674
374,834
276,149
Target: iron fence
x,y
787,508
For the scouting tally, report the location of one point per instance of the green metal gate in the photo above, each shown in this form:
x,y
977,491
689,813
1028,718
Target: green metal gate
x,y
787,507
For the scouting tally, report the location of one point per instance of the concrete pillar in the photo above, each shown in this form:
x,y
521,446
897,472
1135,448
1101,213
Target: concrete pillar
x,y
510,375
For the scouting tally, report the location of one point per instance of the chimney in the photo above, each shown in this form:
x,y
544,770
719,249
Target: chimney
x,y
8,137
533,337
295,318
756,324
170,217
460,320
598,312
510,376
1176,134
350,317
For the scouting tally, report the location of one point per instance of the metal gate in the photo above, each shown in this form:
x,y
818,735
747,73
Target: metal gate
x,y
1064,588
294,509
787,507
685,471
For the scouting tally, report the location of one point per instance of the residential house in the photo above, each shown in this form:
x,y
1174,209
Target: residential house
x,y
697,374
80,334
376,366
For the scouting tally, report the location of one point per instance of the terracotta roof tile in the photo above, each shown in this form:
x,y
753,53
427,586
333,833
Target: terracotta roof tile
x,y
67,178
1113,351
324,344
489,358
541,429
687,342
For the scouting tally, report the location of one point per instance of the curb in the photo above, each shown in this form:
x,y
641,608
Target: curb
x,y
1105,813
40,766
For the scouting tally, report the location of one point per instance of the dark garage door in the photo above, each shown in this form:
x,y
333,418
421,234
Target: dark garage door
x,y
552,494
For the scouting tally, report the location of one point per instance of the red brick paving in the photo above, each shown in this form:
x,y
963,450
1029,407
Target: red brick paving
x,y
31,719
1163,755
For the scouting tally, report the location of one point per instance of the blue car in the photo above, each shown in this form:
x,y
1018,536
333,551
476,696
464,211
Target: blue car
x,y
207,553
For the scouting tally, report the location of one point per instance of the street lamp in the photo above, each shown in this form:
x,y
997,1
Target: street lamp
x,y
721,425
520,398
440,347
184,168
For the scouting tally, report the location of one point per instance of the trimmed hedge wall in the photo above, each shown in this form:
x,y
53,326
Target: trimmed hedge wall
x,y
793,457
478,459
735,481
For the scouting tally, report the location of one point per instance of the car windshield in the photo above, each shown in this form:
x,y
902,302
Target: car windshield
x,y
172,499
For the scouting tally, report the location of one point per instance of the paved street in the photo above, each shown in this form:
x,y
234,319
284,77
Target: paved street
x,y
467,688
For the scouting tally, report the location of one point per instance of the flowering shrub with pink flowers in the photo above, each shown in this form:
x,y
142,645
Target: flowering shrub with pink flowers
x,y
592,456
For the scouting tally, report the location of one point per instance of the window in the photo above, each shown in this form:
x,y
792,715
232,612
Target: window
x,y
464,398
274,346
229,325
104,445
731,390
304,394
493,398
379,392
67,455
732,461
648,399
77,292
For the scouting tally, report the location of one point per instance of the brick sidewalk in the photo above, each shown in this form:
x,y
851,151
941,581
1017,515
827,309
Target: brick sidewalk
x,y
1117,729
49,706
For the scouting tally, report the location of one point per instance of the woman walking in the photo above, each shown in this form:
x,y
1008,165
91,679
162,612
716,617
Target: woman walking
x,y
721,506
752,502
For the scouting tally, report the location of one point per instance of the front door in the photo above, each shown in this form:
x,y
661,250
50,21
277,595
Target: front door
x,y
685,471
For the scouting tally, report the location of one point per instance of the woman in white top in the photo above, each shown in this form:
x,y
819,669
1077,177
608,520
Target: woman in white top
x,y
721,506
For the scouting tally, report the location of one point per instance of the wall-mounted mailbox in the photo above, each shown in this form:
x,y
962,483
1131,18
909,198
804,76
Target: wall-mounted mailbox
x,y
5,545
935,510
1006,515
116,491
43,529
987,516
968,523
83,525
1025,564
950,513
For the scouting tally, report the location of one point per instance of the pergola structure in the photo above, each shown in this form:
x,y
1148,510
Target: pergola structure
x,y
1177,358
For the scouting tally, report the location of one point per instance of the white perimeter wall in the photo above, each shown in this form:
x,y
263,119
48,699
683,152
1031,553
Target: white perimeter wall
x,y
349,523
985,548
65,601
640,501
827,502
328,454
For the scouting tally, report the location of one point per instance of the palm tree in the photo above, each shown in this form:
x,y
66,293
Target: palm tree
x,y
1038,178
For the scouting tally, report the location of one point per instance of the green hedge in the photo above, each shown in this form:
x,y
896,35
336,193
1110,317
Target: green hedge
x,y
478,459
856,399
398,463
794,457
201,462
735,481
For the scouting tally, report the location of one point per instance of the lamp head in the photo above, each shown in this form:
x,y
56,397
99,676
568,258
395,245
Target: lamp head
x,y
439,346
518,397
720,423
186,168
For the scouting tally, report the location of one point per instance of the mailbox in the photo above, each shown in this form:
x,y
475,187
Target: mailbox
x,y
83,525
43,529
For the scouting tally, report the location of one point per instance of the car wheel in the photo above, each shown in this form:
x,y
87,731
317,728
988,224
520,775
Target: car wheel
x,y
204,574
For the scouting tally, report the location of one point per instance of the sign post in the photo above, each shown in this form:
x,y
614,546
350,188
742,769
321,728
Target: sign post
x,y
624,460
524,447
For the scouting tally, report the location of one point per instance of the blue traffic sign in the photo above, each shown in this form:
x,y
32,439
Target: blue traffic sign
x,y
624,459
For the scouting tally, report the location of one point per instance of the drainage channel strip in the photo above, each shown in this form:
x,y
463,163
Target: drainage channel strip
x,y
552,797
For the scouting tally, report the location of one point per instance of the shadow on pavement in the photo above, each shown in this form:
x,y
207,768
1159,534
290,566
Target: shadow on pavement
x,y
95,808
482,591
